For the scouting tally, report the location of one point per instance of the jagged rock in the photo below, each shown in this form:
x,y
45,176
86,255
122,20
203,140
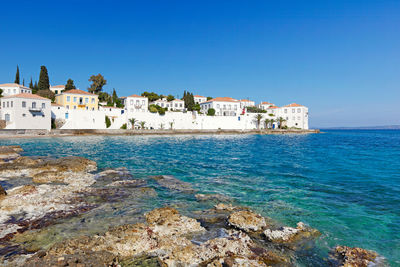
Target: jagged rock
x,y
172,183
354,257
53,168
289,236
128,183
2,192
213,197
247,221
228,207
236,262
114,175
8,153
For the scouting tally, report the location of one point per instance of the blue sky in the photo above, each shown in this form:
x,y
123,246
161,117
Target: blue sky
x,y
339,58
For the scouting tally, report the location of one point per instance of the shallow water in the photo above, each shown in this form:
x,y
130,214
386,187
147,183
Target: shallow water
x,y
344,183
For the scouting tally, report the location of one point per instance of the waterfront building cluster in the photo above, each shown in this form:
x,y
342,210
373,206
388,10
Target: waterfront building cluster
x,y
78,109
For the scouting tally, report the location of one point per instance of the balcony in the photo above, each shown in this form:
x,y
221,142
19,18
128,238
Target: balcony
x,y
35,109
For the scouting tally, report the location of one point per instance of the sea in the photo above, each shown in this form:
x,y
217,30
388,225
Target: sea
x,y
345,183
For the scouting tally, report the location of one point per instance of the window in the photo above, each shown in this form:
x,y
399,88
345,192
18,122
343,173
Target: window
x,y
235,107
8,104
67,106
7,117
298,110
180,105
66,115
74,107
217,105
143,102
86,100
75,98
285,110
4,104
43,105
176,105
24,115
93,101
298,118
131,102
56,92
87,108
11,103
224,106
33,104
137,102
68,99
15,91
293,110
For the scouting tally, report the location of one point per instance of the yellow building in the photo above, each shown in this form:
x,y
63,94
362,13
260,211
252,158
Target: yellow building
x,y
78,99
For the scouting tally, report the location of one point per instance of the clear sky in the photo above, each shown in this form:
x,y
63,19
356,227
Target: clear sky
x,y
339,58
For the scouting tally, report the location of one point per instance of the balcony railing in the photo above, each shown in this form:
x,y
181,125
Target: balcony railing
x,y
35,109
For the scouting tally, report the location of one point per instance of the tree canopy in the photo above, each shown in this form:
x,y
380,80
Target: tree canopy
x,y
44,83
98,82
189,100
70,85
151,96
31,84
170,98
47,94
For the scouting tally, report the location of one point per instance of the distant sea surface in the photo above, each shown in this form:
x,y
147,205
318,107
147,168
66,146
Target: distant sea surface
x,y
345,183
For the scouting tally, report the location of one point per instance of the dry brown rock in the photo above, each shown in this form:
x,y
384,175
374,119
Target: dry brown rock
x,y
354,257
2,192
247,221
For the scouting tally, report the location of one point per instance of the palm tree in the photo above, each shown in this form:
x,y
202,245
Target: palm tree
x,y
171,124
133,121
280,121
258,118
142,123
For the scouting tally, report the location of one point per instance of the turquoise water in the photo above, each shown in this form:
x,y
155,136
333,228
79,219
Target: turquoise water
x,y
344,183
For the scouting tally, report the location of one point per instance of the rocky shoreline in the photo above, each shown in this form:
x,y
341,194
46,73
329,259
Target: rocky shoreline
x,y
38,193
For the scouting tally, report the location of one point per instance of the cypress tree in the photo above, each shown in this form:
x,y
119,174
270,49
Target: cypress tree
x,y
31,84
114,96
44,83
17,76
35,88
23,82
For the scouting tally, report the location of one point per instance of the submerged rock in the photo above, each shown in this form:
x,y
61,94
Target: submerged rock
x,y
111,175
128,183
247,221
355,257
213,197
173,183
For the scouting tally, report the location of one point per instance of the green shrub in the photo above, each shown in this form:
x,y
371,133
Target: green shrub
x,y
108,122
211,112
255,110
153,108
124,126
161,111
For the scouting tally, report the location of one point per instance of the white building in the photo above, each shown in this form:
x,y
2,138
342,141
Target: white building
x,y
199,99
175,104
136,103
296,115
14,89
224,106
26,111
57,89
264,105
244,103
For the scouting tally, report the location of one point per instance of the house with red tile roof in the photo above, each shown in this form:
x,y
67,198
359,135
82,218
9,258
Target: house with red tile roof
x,y
223,106
14,89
